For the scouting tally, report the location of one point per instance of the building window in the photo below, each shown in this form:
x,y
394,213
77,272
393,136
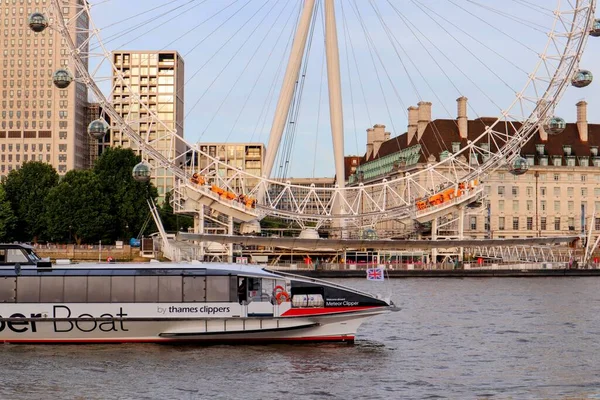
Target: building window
x,y
570,191
556,177
515,206
529,191
557,161
597,224
583,178
455,147
473,224
515,190
557,191
556,206
544,160
557,223
501,223
516,223
529,223
501,205
501,190
543,205
584,161
543,223
543,191
583,192
529,205
571,223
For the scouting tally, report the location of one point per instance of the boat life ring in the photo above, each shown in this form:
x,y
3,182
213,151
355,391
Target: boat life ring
x,y
278,288
110,259
281,297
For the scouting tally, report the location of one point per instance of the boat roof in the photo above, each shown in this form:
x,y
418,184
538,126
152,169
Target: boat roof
x,y
101,269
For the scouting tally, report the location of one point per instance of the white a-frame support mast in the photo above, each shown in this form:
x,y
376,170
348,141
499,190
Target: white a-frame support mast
x,y
291,78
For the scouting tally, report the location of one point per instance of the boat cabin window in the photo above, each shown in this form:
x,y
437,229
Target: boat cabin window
x,y
12,256
256,289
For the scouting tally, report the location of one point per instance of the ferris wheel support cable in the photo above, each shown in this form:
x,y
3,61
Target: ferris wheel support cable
x,y
392,38
287,89
469,50
262,116
349,74
261,42
285,152
369,43
318,117
144,24
532,25
362,89
199,25
535,7
230,59
260,74
456,66
487,23
134,16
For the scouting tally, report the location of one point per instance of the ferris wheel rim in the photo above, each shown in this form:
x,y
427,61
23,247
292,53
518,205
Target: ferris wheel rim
x,y
510,147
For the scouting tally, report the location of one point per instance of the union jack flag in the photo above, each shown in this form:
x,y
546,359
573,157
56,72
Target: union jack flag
x,y
375,274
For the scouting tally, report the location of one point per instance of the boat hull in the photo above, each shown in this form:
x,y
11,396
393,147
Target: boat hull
x,y
337,327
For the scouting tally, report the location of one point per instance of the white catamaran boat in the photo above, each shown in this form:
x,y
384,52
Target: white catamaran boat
x,y
104,303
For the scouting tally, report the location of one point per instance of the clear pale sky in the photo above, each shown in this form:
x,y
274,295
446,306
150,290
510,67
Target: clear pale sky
x,y
457,47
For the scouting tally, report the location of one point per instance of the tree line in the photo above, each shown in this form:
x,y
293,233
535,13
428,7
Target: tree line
x,y
83,206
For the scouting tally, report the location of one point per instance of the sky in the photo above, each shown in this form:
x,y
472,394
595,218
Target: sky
x,y
393,54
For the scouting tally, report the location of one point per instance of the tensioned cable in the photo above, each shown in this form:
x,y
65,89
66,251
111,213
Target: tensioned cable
x,y
290,131
488,24
230,59
319,107
260,44
279,36
370,46
271,94
441,142
521,21
216,29
366,103
536,7
136,15
345,29
467,49
199,25
145,23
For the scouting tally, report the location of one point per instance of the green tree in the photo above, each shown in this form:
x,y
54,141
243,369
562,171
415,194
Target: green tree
x,y
174,222
78,209
128,197
7,217
26,190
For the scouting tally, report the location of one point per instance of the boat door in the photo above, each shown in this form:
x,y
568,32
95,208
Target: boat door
x,y
256,296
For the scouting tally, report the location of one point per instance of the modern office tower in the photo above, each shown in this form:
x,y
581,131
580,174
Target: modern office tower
x,y
156,78
38,120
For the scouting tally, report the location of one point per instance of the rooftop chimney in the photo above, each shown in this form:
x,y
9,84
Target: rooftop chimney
x,y
424,117
413,118
462,117
378,138
387,136
582,125
370,137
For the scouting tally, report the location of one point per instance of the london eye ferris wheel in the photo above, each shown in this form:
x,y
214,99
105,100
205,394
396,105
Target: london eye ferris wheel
x,y
308,77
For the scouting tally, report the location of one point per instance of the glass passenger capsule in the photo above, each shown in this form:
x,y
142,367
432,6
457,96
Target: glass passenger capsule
x,y
582,78
518,166
595,31
141,172
97,128
37,22
62,78
555,125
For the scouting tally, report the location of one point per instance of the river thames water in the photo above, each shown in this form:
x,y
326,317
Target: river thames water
x,y
499,338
